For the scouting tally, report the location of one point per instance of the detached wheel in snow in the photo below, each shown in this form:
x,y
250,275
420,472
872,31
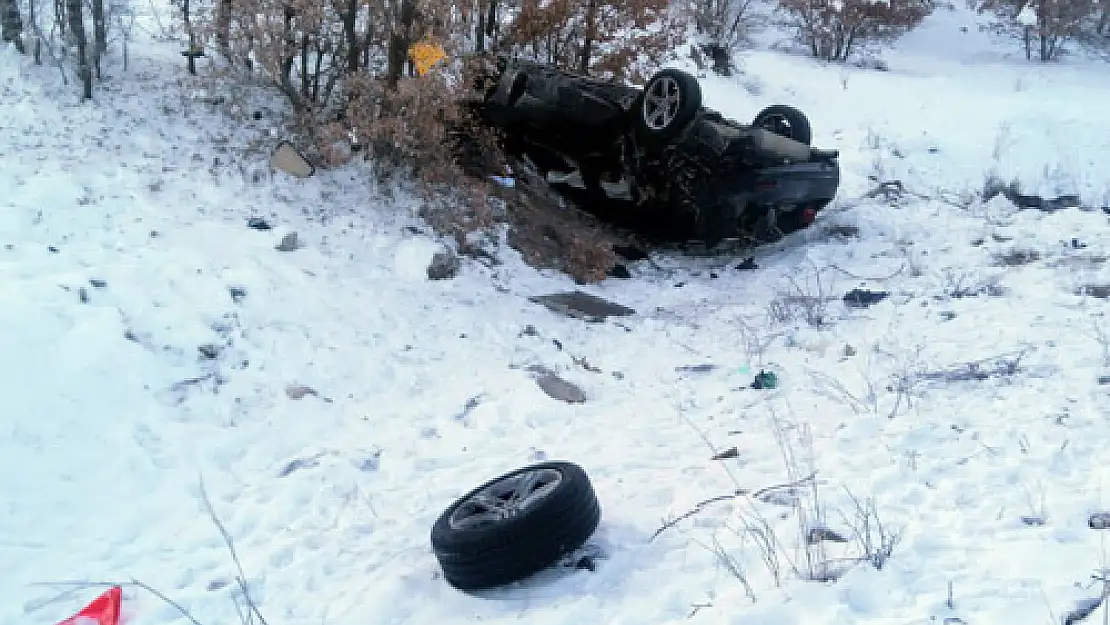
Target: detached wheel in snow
x,y
668,104
785,121
515,525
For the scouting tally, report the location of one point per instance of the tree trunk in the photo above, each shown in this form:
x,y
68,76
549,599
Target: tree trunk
x,y
589,34
1042,27
35,31
190,54
75,13
223,28
399,42
350,32
306,78
11,25
100,34
480,29
491,24
288,54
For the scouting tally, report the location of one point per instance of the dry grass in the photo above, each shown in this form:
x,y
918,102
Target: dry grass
x,y
549,234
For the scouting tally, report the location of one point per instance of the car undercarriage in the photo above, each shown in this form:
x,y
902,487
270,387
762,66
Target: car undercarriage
x,y
656,155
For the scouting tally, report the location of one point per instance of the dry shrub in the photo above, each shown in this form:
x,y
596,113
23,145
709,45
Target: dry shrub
x,y
333,144
428,131
563,243
551,236
295,45
1047,25
835,29
459,213
722,24
402,129
589,258
343,66
427,127
619,39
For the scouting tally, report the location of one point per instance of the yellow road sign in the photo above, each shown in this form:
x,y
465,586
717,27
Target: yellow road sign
x,y
425,54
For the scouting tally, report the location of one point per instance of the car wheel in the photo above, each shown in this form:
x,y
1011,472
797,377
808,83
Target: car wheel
x,y
669,102
515,525
786,121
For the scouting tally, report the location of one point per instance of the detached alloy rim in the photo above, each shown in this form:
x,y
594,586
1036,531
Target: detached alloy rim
x,y
504,499
661,103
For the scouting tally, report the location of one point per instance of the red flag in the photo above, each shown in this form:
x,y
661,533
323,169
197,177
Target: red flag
x,y
104,610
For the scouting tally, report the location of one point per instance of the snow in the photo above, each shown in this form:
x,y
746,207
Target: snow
x,y
112,415
1027,16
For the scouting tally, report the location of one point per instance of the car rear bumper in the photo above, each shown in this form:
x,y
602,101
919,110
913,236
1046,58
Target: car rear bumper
x,y
793,185
770,202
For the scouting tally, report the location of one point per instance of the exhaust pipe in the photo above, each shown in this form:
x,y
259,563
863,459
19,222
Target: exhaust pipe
x,y
780,146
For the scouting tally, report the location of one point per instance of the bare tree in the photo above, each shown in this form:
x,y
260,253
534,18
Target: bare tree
x,y
348,66
1042,26
607,37
100,34
195,49
485,24
75,12
722,23
835,29
400,39
348,15
223,28
11,24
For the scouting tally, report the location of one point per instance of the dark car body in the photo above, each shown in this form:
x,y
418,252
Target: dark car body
x,y
721,178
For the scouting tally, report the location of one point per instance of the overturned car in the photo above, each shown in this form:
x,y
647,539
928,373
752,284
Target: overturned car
x,y
656,154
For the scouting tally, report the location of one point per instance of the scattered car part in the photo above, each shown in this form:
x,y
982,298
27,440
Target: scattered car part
x,y
515,525
582,305
863,298
290,160
658,151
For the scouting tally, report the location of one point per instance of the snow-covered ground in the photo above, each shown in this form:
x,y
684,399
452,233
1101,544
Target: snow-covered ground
x,y
149,339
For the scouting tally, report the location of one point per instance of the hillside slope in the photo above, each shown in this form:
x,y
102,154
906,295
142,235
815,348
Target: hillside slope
x,y
152,339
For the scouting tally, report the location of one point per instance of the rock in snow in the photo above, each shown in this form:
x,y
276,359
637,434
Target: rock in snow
x,y
444,265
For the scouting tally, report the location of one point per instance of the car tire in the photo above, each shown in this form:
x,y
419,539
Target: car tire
x,y
785,121
515,525
668,103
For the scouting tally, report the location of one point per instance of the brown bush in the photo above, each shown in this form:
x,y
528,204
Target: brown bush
x,y
620,39
402,128
343,64
551,237
835,29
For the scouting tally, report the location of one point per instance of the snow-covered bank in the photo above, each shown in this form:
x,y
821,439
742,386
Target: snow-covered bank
x,y
149,338
951,108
